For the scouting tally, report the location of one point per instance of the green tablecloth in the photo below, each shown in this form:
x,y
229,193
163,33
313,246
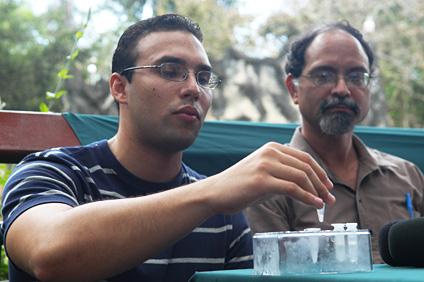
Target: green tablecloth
x,y
382,272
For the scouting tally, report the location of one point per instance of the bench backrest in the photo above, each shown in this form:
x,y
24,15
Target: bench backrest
x,y
220,143
22,133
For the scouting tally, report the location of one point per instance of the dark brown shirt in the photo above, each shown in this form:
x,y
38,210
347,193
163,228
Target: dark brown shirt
x,y
380,196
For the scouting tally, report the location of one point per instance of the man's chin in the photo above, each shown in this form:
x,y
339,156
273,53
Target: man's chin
x,y
337,123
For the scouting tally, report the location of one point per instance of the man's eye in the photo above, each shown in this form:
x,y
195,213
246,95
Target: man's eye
x,y
203,77
322,77
356,76
173,71
170,72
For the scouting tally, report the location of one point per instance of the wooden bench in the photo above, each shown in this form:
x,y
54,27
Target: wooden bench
x,y
22,133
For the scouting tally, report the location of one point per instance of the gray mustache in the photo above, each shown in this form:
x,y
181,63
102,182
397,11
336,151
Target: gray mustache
x,y
328,104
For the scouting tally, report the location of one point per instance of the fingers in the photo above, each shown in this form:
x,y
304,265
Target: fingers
x,y
272,169
303,178
306,158
294,191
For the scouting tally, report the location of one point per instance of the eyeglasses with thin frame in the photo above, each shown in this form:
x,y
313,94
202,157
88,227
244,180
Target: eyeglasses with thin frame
x,y
178,72
328,79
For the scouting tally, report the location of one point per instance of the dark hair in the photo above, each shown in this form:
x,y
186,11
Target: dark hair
x,y
126,55
296,57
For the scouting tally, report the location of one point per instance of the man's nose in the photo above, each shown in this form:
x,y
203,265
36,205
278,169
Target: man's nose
x,y
341,88
191,87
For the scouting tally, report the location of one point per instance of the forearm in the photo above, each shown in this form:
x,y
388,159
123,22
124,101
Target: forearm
x,y
105,238
101,239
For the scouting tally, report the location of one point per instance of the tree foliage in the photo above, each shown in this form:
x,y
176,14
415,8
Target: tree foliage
x,y
33,47
64,73
217,19
131,10
30,52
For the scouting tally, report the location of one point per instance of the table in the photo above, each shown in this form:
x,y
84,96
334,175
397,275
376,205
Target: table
x,y
382,272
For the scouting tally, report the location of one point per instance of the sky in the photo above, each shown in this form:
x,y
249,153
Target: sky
x,y
260,9
102,22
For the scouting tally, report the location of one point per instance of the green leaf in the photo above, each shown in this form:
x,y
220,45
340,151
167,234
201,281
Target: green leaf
x,y
62,73
60,93
49,95
88,17
75,54
79,34
44,108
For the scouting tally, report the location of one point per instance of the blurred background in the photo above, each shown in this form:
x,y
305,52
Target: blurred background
x,y
247,41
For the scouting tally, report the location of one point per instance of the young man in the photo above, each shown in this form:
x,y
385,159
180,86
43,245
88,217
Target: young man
x,y
329,72
108,211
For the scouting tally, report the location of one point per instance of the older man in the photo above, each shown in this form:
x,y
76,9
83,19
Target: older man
x,y
329,73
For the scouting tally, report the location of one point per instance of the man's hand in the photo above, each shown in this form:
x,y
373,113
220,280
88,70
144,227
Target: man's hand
x,y
270,170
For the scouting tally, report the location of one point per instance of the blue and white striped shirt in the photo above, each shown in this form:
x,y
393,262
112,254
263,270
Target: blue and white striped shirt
x,y
84,174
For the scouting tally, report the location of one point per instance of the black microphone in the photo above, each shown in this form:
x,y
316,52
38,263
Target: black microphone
x,y
401,242
383,244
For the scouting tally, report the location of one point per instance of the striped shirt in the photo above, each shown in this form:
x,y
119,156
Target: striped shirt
x,y
78,175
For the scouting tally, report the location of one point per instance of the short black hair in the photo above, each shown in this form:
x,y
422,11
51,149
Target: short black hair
x,y
126,55
296,56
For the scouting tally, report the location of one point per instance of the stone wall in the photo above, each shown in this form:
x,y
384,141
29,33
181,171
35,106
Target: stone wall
x,y
254,90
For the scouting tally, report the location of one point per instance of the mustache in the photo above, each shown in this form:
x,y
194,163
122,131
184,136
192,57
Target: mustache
x,y
339,101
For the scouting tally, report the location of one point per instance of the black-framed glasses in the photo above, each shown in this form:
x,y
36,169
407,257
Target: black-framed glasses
x,y
328,79
178,72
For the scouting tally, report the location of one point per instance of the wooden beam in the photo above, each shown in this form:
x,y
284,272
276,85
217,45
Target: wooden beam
x,y
22,133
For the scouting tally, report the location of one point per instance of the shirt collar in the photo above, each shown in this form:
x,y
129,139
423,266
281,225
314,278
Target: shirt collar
x,y
369,159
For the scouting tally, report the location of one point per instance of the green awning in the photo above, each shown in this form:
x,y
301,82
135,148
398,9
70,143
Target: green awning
x,y
222,143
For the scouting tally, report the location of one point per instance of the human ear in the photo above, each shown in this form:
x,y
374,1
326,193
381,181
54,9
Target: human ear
x,y
292,85
118,89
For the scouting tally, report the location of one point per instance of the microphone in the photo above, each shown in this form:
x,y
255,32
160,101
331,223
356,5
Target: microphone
x,y
401,242
383,244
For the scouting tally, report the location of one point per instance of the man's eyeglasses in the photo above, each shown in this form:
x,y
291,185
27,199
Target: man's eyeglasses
x,y
328,79
178,72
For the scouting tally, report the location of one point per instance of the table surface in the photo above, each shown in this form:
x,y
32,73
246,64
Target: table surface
x,y
381,272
